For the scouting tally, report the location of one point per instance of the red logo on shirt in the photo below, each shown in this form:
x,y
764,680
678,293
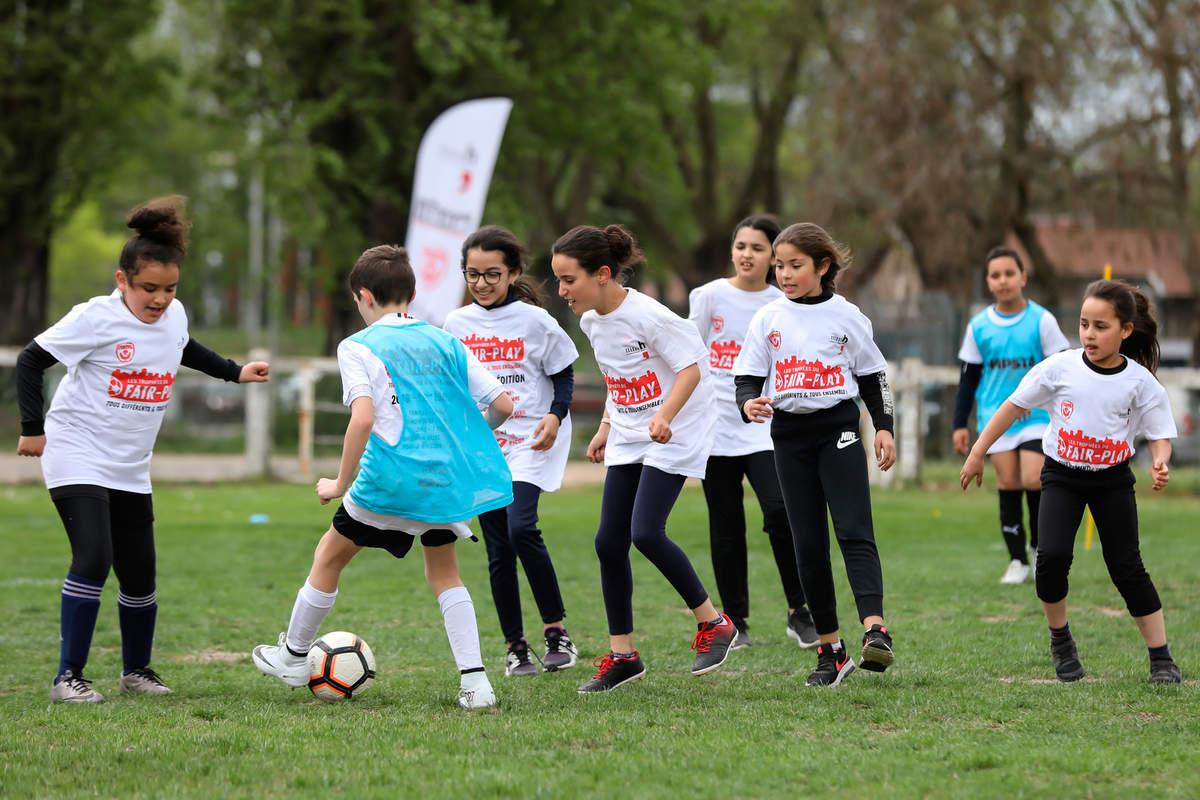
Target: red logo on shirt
x,y
493,348
718,324
796,373
774,337
722,354
634,391
1067,408
147,387
1083,449
125,352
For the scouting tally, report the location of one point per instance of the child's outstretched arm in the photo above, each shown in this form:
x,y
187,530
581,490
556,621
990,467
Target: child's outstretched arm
x,y
1160,452
358,431
686,381
198,357
997,425
500,410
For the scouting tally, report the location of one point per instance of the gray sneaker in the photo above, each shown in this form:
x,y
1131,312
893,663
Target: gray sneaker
x,y
143,681
519,660
72,688
279,662
561,652
743,637
801,628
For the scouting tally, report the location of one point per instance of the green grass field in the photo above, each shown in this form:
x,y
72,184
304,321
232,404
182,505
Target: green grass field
x,y
969,710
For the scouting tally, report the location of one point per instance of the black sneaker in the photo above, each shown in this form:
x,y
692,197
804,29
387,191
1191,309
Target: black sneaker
x,y
1165,670
832,666
561,652
712,644
877,649
801,628
1066,659
743,638
613,672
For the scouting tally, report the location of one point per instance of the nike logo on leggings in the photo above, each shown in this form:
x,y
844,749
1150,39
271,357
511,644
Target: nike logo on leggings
x,y
848,438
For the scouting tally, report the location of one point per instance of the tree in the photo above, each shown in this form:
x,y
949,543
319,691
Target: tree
x,y
74,95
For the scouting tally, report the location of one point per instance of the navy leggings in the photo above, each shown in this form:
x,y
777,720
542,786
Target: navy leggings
x,y
634,510
1109,494
511,533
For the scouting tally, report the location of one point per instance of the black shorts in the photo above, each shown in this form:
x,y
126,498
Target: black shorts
x,y
398,543
1032,445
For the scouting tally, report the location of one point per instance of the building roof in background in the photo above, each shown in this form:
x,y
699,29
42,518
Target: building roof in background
x,y
1080,250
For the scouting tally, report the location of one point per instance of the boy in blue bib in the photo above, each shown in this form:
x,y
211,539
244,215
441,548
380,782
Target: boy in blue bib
x,y
426,460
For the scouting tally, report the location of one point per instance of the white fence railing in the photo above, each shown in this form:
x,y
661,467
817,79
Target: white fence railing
x,y
911,380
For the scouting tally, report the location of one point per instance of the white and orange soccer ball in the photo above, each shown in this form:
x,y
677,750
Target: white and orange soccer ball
x,y
341,666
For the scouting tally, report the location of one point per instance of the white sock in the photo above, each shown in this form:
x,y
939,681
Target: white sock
x,y
458,612
312,606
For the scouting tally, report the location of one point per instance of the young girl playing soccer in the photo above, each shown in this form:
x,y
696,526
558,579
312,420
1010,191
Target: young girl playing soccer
x,y
817,354
656,431
122,352
512,335
722,310
1099,398
428,464
1001,344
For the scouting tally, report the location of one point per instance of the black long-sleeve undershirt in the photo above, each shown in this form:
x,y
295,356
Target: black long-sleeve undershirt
x,y
564,390
34,360
968,382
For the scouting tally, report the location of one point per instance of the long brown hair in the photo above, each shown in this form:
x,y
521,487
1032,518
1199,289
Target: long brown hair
x,y
814,242
1131,305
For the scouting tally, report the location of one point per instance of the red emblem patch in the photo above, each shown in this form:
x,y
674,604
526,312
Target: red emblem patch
x,y
125,352
718,324
775,338
1067,408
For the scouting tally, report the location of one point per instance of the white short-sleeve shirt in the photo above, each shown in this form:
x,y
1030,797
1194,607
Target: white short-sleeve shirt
x,y
640,346
1095,413
522,346
811,353
106,412
365,375
722,313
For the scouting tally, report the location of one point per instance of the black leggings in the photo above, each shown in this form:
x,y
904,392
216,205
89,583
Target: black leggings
x,y
1109,495
637,501
109,529
828,468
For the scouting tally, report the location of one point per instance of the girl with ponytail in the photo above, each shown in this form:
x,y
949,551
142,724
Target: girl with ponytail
x,y
122,352
1099,398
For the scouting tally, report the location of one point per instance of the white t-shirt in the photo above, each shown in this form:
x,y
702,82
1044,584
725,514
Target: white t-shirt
x,y
640,347
106,412
811,353
365,375
522,345
1095,416
722,313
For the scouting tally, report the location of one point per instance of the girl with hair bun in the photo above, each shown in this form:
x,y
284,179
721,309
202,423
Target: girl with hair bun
x,y
656,431
122,352
1099,398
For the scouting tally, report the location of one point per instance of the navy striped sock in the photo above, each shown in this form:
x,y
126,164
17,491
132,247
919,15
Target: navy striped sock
x,y
1061,633
77,622
137,615
1160,652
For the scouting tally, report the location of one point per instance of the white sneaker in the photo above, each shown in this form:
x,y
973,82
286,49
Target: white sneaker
x,y
475,691
143,681
278,661
72,688
1016,572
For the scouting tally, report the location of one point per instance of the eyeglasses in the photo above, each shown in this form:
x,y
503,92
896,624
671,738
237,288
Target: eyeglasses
x,y
490,278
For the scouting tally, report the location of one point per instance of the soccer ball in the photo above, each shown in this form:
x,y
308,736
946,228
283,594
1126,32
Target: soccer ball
x,y
340,666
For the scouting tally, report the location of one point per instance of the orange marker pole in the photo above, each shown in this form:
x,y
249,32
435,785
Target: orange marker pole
x,y
1089,523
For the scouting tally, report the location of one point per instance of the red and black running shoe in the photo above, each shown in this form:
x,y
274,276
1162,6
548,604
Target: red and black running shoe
x,y
613,671
832,665
712,644
877,649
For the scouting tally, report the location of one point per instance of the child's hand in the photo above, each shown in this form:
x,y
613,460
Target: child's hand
x,y
546,432
255,372
972,468
595,448
885,450
329,489
962,441
1160,473
31,445
660,428
758,409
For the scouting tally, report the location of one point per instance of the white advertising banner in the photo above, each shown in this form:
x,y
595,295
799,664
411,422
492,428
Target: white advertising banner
x,y
454,169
